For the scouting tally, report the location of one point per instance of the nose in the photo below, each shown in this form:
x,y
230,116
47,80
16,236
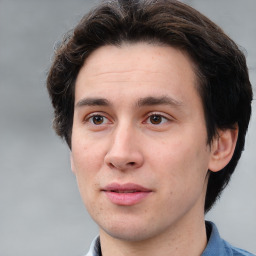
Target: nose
x,y
124,151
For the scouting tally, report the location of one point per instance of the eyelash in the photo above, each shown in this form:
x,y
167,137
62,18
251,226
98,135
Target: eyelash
x,y
89,119
163,119
161,116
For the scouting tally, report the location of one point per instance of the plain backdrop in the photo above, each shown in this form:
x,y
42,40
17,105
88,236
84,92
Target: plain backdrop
x,y
41,212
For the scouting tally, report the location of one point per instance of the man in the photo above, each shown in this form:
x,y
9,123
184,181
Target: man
x,y
154,101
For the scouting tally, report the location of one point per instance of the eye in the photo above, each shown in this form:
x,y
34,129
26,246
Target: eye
x,y
156,119
97,119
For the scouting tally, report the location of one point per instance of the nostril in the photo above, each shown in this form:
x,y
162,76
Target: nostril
x,y
122,166
111,165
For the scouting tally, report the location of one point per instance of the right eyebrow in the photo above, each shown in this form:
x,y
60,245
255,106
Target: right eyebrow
x,y
164,100
92,102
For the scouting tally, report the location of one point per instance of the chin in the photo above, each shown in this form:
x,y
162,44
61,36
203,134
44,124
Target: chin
x,y
135,232
128,235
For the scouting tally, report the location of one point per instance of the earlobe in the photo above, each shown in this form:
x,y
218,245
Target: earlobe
x,y
222,149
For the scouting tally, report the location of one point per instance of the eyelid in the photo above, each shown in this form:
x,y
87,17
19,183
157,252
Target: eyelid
x,y
164,115
90,115
168,117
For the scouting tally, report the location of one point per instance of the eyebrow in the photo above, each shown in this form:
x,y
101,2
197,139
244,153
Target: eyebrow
x,y
92,102
147,101
163,100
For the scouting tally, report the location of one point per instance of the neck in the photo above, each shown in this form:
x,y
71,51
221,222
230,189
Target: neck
x,y
187,239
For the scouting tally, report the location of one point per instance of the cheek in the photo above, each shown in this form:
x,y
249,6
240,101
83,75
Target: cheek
x,y
182,163
86,156
84,169
86,162
181,179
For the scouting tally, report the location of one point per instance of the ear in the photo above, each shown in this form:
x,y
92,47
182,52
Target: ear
x,y
222,148
72,163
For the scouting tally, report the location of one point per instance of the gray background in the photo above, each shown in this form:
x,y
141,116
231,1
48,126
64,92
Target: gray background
x,y
40,208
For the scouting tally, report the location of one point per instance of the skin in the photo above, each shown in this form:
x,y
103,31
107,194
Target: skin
x,y
160,146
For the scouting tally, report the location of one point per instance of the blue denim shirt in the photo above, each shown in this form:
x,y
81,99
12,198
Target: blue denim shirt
x,y
216,246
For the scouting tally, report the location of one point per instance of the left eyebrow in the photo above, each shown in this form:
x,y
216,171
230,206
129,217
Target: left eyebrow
x,y
163,100
92,102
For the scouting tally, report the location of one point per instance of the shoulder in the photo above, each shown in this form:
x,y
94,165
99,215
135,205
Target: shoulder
x,y
234,251
218,246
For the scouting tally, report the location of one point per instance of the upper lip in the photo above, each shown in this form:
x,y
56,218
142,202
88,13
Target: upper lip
x,y
127,187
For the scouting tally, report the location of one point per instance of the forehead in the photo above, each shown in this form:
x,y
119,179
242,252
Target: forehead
x,y
140,55
153,69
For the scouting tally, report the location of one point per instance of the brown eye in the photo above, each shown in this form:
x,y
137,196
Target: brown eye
x,y
97,120
156,119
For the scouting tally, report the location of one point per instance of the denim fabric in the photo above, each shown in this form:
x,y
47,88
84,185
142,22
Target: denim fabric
x,y
216,245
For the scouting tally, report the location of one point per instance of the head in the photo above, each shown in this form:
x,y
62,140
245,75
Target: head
x,y
222,80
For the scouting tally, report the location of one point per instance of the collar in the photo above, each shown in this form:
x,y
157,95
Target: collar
x,y
215,245
95,249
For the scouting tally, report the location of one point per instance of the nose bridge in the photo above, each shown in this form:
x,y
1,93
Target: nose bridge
x,y
124,151
123,136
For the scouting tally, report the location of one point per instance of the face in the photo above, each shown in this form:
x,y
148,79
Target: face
x,y
139,148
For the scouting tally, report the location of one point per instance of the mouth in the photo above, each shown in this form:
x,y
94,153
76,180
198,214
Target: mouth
x,y
126,194
124,191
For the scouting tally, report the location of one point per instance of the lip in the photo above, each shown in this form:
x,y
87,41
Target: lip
x,y
126,194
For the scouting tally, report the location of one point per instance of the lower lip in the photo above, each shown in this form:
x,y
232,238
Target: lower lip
x,y
126,198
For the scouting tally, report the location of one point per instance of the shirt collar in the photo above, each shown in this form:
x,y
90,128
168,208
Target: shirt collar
x,y
95,249
215,244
